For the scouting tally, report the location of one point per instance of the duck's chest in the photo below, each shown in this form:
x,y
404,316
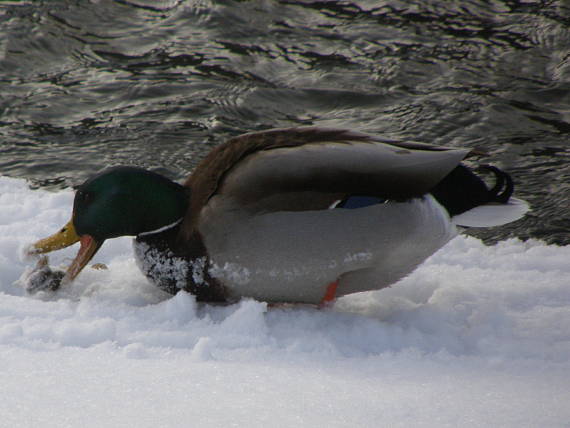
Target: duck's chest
x,y
173,270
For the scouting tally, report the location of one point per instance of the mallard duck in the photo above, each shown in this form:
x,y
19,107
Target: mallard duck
x,y
299,215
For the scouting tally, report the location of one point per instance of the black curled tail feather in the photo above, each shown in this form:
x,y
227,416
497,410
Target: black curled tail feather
x,y
462,190
504,186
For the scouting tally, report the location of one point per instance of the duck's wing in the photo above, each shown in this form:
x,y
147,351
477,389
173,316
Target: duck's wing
x,y
310,168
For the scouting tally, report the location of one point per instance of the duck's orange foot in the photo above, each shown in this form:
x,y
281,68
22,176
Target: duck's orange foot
x,y
327,300
330,295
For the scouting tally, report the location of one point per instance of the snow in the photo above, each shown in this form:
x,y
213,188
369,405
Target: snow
x,y
477,336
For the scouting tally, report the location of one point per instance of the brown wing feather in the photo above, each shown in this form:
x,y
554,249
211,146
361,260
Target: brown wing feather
x,y
253,161
209,173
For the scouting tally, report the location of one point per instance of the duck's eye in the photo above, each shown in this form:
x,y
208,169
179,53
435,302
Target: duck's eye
x,y
84,197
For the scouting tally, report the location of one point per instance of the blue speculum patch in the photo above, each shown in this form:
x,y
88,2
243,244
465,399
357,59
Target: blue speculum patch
x,y
353,202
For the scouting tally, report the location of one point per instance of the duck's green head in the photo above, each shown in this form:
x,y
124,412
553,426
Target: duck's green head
x,y
119,201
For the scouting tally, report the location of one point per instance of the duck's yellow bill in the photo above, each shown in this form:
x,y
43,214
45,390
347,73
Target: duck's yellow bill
x,y
64,238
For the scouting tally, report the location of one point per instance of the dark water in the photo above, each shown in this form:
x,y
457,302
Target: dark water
x,y
86,84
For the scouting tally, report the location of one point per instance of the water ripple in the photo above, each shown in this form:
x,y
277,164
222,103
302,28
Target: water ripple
x,y
88,84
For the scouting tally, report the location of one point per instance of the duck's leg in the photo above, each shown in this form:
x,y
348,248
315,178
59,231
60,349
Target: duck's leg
x,y
330,294
328,298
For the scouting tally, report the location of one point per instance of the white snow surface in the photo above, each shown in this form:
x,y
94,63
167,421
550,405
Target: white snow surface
x,y
477,336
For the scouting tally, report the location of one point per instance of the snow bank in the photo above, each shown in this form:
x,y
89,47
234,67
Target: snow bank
x,y
476,336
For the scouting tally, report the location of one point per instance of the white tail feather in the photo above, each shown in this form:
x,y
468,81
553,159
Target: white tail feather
x,y
493,214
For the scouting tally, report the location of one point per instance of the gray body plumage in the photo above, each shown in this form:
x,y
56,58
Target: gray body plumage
x,y
293,256
260,210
